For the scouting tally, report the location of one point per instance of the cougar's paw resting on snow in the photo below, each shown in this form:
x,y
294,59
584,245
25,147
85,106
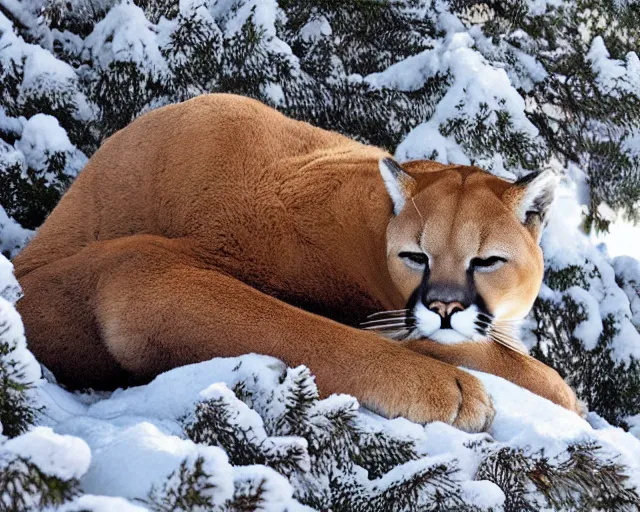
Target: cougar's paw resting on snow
x,y
475,410
425,390
218,227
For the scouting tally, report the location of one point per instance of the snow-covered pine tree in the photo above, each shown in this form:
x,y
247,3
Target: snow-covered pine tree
x,y
319,445
578,480
40,472
26,487
337,459
42,108
316,444
582,90
310,58
336,44
588,341
23,485
18,368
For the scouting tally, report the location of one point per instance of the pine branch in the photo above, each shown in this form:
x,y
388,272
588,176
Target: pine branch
x,y
582,478
17,412
26,488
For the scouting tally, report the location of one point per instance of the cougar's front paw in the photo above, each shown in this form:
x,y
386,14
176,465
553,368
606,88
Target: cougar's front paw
x,y
432,391
475,410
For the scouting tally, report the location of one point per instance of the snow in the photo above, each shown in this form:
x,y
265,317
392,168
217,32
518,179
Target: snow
x,y
207,28
538,7
426,140
477,89
57,455
11,46
125,35
147,435
13,237
278,490
88,502
613,76
634,425
12,332
273,92
411,73
173,394
622,239
591,328
142,425
152,454
316,28
565,245
42,136
231,17
9,288
627,272
483,494
263,12
43,71
9,124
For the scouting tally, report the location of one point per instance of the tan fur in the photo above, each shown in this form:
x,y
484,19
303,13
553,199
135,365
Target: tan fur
x,y
218,227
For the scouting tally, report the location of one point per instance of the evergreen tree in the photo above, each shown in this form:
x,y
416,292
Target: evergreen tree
x,y
332,459
189,488
41,107
36,469
18,368
16,410
25,487
366,466
607,384
579,480
582,90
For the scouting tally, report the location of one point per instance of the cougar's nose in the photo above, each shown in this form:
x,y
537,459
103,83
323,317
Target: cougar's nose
x,y
445,309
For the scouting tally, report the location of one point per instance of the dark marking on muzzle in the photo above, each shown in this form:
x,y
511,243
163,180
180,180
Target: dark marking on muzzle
x,y
446,299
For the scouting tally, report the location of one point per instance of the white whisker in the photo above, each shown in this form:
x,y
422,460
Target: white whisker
x,y
387,313
503,333
508,342
378,324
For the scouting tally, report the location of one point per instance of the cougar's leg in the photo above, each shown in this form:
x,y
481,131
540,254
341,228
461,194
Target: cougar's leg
x,y
155,306
57,310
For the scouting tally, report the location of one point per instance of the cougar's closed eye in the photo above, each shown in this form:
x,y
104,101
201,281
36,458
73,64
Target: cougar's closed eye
x,y
415,260
487,264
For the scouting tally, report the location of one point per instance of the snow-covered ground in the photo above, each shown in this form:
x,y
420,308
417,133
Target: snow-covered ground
x,y
135,438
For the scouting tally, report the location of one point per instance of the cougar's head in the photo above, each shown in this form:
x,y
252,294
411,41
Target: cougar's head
x,y
462,247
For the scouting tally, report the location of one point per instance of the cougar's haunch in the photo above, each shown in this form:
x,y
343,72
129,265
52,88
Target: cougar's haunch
x,y
219,227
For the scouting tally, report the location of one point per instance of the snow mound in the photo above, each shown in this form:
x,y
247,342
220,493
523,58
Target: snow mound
x,y
62,456
13,237
125,35
12,334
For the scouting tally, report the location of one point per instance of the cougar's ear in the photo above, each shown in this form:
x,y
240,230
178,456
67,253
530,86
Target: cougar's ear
x,y
399,184
530,198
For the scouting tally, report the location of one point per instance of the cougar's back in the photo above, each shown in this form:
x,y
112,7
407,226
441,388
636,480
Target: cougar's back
x,y
158,175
